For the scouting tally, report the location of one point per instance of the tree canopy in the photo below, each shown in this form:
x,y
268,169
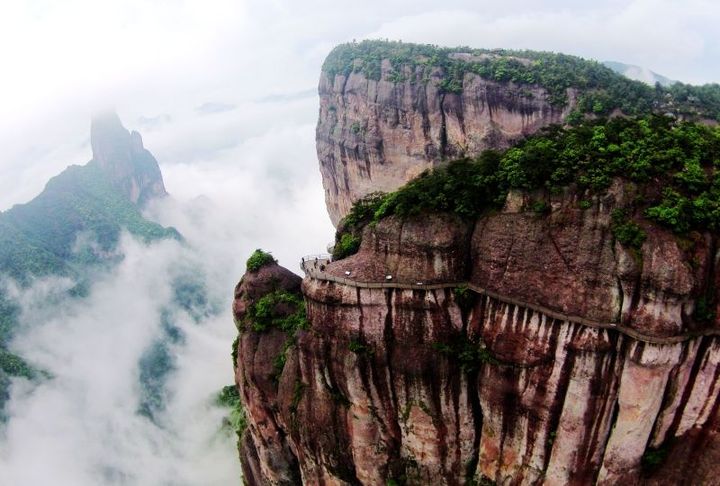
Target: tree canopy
x,y
601,90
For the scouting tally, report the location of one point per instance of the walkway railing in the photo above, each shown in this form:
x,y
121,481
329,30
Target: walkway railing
x,y
314,268
314,263
318,256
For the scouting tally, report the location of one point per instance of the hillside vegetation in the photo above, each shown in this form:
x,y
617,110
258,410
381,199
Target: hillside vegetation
x,y
601,89
674,165
44,237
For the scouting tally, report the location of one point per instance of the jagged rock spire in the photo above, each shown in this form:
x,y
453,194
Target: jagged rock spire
x,y
131,167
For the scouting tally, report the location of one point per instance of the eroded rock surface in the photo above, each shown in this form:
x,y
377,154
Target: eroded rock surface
x,y
376,135
528,347
447,386
264,451
569,261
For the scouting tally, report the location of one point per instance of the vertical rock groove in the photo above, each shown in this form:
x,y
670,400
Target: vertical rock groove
x,y
553,401
443,128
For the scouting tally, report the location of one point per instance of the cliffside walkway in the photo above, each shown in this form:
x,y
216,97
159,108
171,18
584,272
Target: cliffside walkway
x,y
314,267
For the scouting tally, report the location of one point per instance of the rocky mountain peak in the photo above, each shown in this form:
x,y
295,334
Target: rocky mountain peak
x,y
136,141
121,154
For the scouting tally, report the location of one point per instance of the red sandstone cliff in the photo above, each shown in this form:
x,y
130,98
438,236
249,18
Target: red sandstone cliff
x,y
516,349
376,135
389,111
565,365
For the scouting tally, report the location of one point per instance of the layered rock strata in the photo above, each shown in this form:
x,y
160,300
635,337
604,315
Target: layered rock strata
x,y
519,349
376,135
527,347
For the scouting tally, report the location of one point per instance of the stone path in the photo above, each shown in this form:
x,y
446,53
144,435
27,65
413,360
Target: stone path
x,y
314,268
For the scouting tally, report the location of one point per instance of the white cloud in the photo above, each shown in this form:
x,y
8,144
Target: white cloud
x,y
55,49
84,421
171,56
82,427
263,192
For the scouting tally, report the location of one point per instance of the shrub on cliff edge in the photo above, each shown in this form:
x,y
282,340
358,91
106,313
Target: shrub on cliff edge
x,y
229,398
627,232
348,244
348,236
258,260
280,309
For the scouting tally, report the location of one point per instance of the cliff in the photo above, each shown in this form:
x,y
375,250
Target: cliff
x,y
264,451
544,314
551,358
389,111
376,135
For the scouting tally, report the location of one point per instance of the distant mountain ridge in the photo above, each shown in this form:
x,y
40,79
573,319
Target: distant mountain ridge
x,y
93,203
98,199
639,73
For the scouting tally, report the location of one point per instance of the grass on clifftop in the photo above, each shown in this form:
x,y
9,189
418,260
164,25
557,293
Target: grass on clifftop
x,y
674,165
602,89
258,260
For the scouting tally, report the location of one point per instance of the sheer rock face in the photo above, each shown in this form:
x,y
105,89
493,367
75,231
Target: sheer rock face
x,y
429,248
382,385
377,135
264,452
121,154
569,361
568,261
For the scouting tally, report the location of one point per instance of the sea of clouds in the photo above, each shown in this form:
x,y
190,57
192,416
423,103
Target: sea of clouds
x,y
82,426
